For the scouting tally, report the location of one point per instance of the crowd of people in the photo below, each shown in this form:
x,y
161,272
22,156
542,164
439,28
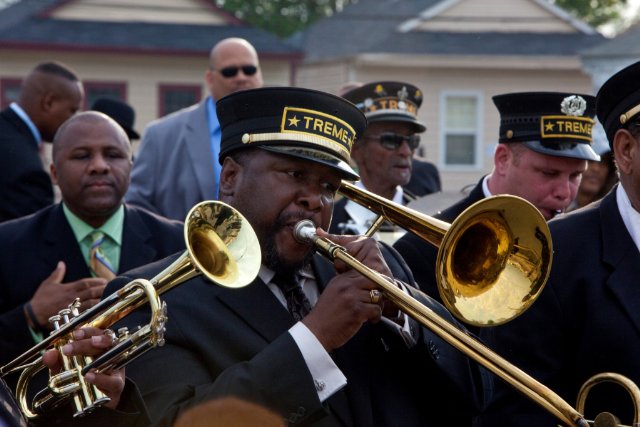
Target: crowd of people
x,y
310,341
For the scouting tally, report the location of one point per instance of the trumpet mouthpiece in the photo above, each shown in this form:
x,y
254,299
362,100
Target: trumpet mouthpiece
x,y
304,231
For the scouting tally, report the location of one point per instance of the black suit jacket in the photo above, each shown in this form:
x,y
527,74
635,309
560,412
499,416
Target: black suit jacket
x,y
33,245
25,186
421,255
425,178
222,341
586,321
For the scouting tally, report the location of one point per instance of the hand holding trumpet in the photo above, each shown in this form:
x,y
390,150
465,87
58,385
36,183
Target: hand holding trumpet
x,y
90,341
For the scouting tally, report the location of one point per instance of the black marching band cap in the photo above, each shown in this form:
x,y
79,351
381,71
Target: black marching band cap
x,y
303,123
553,123
388,102
618,100
119,111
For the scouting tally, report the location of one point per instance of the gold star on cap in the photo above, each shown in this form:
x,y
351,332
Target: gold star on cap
x,y
293,121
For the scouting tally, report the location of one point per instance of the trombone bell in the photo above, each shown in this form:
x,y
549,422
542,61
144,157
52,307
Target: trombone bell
x,y
493,260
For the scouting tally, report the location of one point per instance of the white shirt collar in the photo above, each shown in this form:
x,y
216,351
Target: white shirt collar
x,y
630,216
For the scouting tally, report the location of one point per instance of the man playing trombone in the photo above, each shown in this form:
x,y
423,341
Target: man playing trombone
x,y
587,320
314,343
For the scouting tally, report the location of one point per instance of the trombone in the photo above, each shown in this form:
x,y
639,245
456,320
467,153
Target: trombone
x,y
494,244
221,245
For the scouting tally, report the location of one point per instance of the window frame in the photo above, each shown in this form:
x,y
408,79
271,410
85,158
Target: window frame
x,y
11,82
119,86
164,88
477,132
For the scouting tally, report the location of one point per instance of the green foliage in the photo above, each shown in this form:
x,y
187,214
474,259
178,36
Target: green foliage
x,y
282,17
285,17
594,12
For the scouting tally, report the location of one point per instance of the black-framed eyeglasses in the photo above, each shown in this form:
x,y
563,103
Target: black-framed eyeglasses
x,y
232,70
393,141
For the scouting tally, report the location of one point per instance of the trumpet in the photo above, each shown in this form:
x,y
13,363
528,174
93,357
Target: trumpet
x,y
493,245
221,245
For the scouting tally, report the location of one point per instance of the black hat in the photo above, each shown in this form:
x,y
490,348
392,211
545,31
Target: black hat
x,y
388,102
303,123
618,100
119,111
552,123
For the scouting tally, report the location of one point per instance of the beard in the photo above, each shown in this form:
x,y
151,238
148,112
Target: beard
x,y
273,259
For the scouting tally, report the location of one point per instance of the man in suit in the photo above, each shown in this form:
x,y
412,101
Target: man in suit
x,y
384,155
318,346
54,256
587,320
541,166
177,164
50,94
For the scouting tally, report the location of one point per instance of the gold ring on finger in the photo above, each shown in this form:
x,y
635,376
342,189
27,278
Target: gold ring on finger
x,y
375,295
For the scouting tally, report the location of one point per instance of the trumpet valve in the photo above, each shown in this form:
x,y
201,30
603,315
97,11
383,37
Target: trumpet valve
x,y
55,321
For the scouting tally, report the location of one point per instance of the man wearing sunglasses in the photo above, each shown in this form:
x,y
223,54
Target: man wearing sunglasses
x,y
177,164
384,154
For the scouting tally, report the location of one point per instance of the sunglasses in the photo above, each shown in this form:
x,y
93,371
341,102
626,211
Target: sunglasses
x,y
231,71
393,141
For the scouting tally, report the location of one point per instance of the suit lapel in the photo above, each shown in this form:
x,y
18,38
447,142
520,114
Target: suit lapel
x,y
256,306
260,309
60,244
198,142
135,250
620,252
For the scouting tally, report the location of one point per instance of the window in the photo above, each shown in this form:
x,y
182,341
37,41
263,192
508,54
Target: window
x,y
94,90
10,90
174,97
460,127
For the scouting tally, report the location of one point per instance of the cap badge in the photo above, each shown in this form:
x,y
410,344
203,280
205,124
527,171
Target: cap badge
x,y
573,105
379,90
402,96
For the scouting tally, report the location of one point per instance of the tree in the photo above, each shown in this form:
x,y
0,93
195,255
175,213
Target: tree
x,y
285,17
596,13
282,17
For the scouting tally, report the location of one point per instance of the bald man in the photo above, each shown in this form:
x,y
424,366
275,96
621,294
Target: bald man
x,y
177,164
47,257
50,94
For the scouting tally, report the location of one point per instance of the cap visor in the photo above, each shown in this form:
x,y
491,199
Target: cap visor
x,y
572,150
317,156
389,117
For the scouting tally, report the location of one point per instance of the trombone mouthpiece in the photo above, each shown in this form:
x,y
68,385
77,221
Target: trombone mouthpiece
x,y
304,231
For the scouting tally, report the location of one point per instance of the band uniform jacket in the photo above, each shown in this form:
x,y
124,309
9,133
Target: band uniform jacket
x,y
33,245
222,341
25,186
585,322
173,170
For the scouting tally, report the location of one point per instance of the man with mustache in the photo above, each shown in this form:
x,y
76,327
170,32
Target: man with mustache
x,y
384,154
311,341
72,249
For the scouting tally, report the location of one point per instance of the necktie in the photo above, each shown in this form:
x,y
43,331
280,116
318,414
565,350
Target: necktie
x,y
98,262
297,302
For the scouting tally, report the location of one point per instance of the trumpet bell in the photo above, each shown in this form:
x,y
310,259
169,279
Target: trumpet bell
x,y
494,260
222,244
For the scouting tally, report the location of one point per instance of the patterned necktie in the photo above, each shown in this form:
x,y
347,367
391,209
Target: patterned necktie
x,y
297,302
98,262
